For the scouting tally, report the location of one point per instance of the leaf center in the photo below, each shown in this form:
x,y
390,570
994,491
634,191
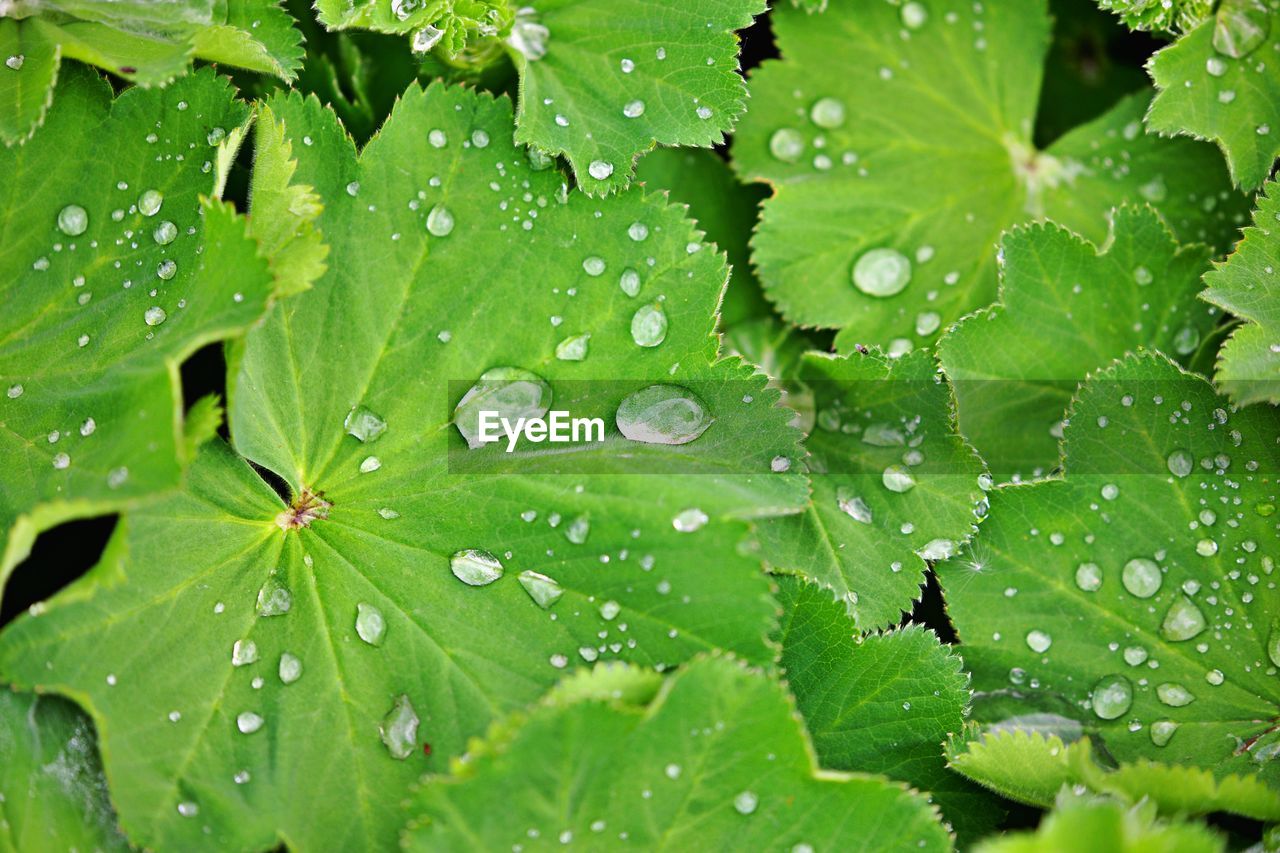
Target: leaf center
x,y
306,508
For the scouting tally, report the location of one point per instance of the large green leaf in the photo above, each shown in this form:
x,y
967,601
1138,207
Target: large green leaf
x,y
880,703
1135,594
898,140
1066,309
1031,767
110,279
145,43
715,761
628,533
53,795
894,487
1220,82
1246,285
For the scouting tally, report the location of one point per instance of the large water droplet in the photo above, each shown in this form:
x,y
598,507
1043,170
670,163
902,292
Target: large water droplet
x,y
510,391
853,506
1141,577
475,567
1038,641
898,479
882,272
399,729
578,530
73,220
439,221
1273,643
154,316
746,802
1180,463
150,202
1088,577
290,668
786,144
663,414
914,15
828,113
166,232
633,109
1182,621
600,169
244,652
274,598
248,722
1174,695
573,348
364,423
370,626
543,590
1240,27
1112,696
629,281
649,325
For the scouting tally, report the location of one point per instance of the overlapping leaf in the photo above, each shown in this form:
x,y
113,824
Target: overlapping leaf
x,y
893,485
115,268
1136,594
716,759
899,142
146,43
53,795
1066,309
881,703
358,596
1220,82
1246,285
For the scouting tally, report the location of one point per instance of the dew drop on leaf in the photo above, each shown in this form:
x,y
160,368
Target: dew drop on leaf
x,y
149,202
274,598
600,169
364,423
1174,695
827,113
633,109
475,567
290,668
73,220
578,530
244,652
167,269
248,722
649,325
853,506
543,590
512,392
370,625
399,729
882,272
1182,621
1141,577
166,232
746,802
689,520
1088,577
898,479
1180,463
786,144
1112,696
154,316
1240,27
914,15
439,221
573,348
629,281
662,414
1162,731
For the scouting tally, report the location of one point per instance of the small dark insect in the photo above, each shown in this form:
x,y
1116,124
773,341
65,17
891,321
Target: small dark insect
x,y
861,348
128,69
426,750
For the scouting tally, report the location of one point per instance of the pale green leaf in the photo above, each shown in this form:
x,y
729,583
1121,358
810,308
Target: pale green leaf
x,y
401,324
29,62
1246,285
1135,595
893,485
1160,15
53,795
910,137
1231,96
96,319
1066,309
880,703
716,760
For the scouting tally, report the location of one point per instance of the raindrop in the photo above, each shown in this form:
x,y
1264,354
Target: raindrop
x,y
578,530
510,391
600,170
248,722
399,729
638,231
290,668
244,652
914,15
14,62
633,109
1273,643
370,626
1141,577
188,808
1112,696
898,479
1039,641
662,414
364,424
689,520
154,316
149,202
1182,621
786,144
1174,695
1180,463
274,598
73,220
543,590
370,464
853,506
1088,577
1162,731
629,282
439,221
167,269
573,348
475,567
649,325
882,272
828,113
166,232
746,802
1240,27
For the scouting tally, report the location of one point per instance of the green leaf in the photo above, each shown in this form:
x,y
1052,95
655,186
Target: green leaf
x,y
1172,16
725,209
1099,823
672,64
715,761
53,795
146,43
1249,362
1032,768
1137,588
920,157
880,703
1066,309
1219,82
893,485
97,321
400,326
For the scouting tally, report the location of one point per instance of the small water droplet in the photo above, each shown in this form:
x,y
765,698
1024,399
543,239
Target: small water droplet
x,y
543,590
370,625
248,722
573,348
1088,577
746,802
364,423
600,169
827,112
399,729
629,281
166,232
150,202
244,652
290,668
475,567
786,144
154,316
274,598
167,269
914,15
689,520
1174,695
633,109
1182,621
898,479
1038,641
1162,731
1180,463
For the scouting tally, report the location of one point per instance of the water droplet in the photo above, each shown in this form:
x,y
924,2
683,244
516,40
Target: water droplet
x,y
610,610
1180,463
689,520
786,144
154,316
1141,577
149,202
543,590
479,138
14,61
600,169
439,221
1240,27
1206,547
593,265
188,809
437,138
746,802
1162,731
167,269
638,231
633,109
370,464
1216,66
290,668
1134,655
216,135
244,652
629,282
914,15
827,112
166,232
399,729
1273,643
274,598
364,423
853,506
882,272
662,414
573,348
937,549
353,189
73,220
898,479
1110,491
1112,696
61,461
649,325
1182,621
475,567
510,391
1214,677
1088,577
1039,641
1174,695
248,722
370,626
1186,340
